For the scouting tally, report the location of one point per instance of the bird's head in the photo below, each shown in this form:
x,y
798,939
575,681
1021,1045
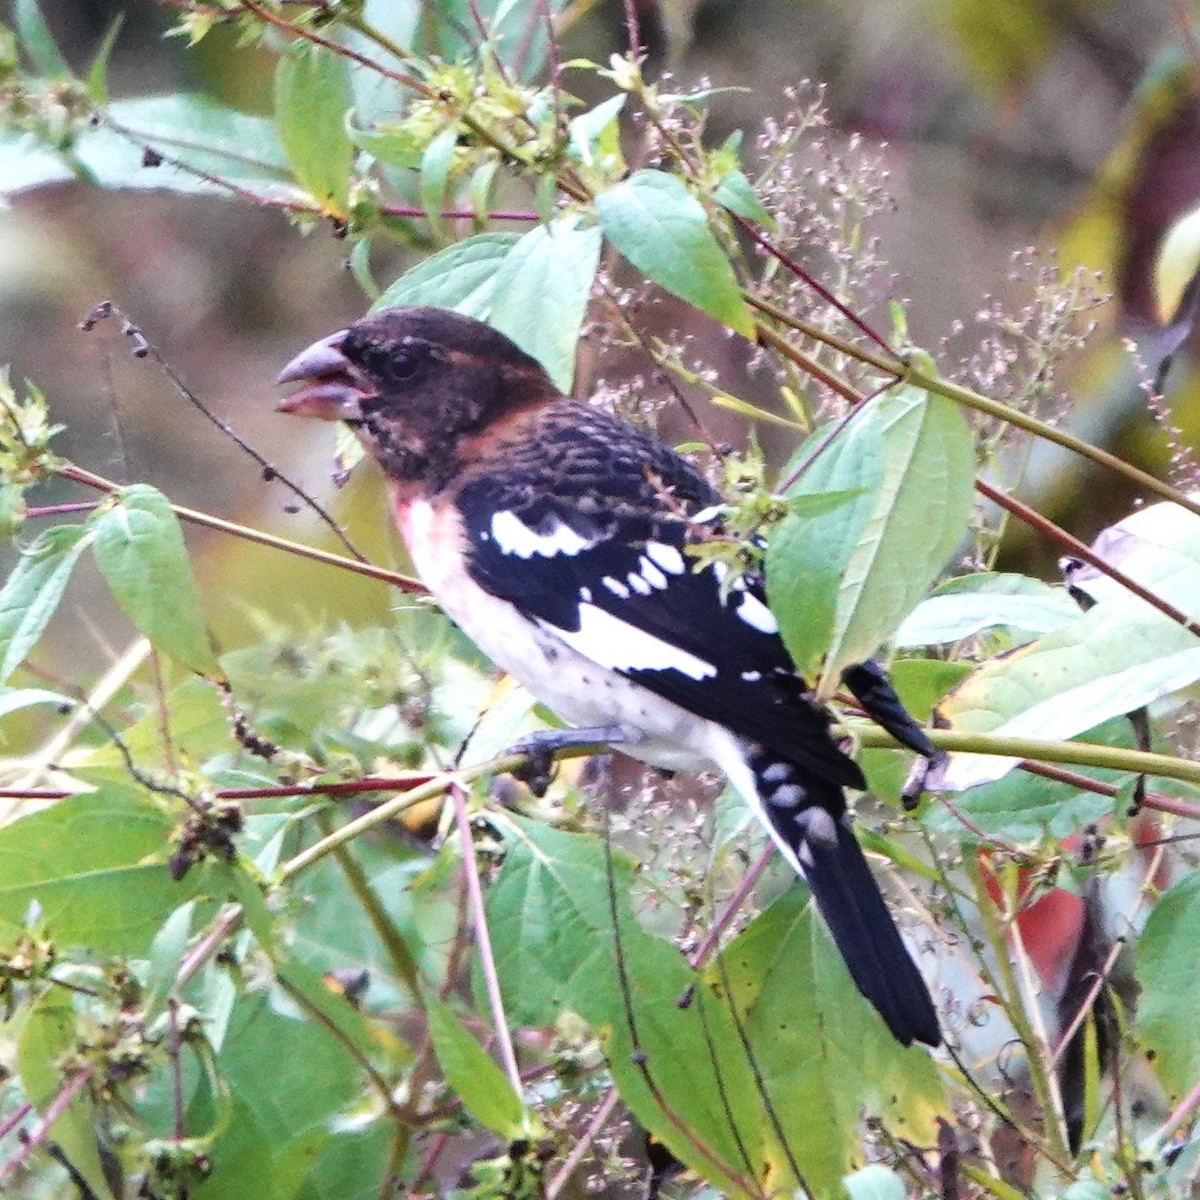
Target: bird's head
x,y
415,384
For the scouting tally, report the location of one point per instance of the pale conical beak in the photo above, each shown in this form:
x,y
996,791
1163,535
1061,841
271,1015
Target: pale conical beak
x,y
333,388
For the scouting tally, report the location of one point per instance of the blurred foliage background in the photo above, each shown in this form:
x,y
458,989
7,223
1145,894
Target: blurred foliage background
x,y
1002,124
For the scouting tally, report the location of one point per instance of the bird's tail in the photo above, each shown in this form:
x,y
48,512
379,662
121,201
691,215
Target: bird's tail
x,y
808,819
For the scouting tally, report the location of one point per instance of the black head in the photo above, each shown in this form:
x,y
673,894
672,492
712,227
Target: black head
x,y
413,383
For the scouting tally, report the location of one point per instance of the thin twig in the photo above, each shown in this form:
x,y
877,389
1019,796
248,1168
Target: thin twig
x,y
404,582
483,938
600,1118
1058,535
144,348
37,1135
11,1122
700,956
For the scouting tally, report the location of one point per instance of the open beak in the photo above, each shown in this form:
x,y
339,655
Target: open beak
x,y
333,388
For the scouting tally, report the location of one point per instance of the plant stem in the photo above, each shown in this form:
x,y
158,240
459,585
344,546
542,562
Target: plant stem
x,y
385,929
1078,549
1049,433
37,1135
600,1118
1085,754
1010,999
483,938
404,582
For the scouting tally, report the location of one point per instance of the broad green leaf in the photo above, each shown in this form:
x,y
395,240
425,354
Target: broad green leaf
x,y
15,699
140,552
188,131
553,906
551,909
304,1088
47,1034
541,293
656,223
460,277
96,81
472,1074
736,193
331,935
1168,970
987,601
312,96
436,161
353,1163
96,864
809,550
32,592
595,135
1119,655
38,43
921,510
822,1047
244,1161
200,132
393,145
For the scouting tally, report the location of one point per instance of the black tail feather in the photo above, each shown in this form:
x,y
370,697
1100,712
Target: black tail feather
x,y
809,817
864,932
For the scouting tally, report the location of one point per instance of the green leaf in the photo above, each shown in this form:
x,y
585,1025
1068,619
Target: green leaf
x,y
483,1088
551,910
330,934
47,1034
33,591
312,96
541,293
973,603
96,864
915,516
656,223
736,193
436,162
595,135
140,552
38,43
393,145
809,550
1119,655
198,131
1168,970
96,81
189,131
823,1048
15,699
460,277
552,907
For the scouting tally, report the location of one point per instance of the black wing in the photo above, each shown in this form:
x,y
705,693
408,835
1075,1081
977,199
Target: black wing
x,y
585,528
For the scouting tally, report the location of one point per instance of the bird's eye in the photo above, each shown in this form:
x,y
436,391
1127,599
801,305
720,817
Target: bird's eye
x,y
402,365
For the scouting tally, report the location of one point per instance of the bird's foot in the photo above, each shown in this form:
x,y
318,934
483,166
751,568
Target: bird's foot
x,y
541,748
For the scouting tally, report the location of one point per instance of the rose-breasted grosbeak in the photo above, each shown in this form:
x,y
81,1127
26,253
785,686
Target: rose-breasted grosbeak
x,y
556,536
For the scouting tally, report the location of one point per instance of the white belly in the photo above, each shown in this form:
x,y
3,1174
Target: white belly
x,y
578,690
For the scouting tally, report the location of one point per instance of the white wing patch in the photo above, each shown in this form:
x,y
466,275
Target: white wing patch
x,y
616,644
650,573
667,557
756,614
513,536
